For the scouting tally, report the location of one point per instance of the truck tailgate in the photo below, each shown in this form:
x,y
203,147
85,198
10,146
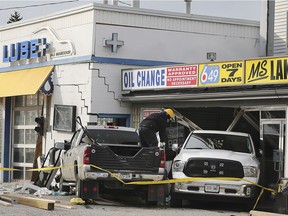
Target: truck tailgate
x,y
147,159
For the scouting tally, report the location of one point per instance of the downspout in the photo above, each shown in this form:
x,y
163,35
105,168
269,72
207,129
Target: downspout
x,y
7,139
267,28
188,6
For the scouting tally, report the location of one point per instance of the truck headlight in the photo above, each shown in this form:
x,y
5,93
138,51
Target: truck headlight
x,y
178,166
250,171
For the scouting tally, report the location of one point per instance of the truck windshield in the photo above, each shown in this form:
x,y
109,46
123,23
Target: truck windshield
x,y
219,141
114,136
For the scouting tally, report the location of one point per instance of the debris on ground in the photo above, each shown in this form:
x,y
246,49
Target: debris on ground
x,y
77,201
25,193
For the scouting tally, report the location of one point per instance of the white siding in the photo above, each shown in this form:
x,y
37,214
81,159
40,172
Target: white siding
x,y
280,27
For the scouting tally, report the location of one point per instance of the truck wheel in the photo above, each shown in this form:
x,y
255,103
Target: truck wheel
x,y
151,203
175,202
62,186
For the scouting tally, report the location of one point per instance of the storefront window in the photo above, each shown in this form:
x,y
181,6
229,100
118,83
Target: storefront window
x,y
273,114
22,173
19,117
19,136
18,155
29,155
25,110
105,121
19,101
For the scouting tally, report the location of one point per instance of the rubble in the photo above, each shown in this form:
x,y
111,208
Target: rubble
x,y
26,192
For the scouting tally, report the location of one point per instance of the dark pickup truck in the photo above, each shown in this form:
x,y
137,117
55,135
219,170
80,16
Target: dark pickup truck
x,y
100,158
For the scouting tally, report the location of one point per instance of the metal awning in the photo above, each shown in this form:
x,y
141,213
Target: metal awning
x,y
23,82
232,97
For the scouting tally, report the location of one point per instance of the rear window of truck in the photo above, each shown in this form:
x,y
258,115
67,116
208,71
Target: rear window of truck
x,y
107,136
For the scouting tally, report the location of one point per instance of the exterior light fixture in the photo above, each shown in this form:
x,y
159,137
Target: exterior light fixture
x,y
211,56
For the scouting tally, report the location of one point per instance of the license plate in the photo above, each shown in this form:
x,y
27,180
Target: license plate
x,y
212,188
103,175
125,175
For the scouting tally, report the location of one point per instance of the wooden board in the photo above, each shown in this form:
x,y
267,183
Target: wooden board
x,y
64,206
261,213
35,202
4,203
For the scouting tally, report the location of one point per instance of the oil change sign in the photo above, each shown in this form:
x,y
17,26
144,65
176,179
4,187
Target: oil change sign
x,y
221,74
266,71
160,78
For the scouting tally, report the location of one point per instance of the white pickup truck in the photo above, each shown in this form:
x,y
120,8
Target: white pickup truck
x,y
98,158
211,154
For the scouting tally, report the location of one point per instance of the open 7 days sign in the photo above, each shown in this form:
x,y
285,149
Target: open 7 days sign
x,y
160,78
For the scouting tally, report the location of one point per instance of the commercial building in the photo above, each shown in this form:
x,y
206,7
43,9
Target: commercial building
x,y
69,64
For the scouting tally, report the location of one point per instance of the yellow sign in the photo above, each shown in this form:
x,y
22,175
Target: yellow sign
x,y
221,74
266,71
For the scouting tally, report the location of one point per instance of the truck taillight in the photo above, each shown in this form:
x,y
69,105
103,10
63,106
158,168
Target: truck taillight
x,y
162,158
86,158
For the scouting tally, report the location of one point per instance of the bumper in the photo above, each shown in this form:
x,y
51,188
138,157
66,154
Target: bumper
x,y
215,189
123,176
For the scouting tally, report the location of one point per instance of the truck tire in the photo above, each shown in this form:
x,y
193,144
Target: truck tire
x,y
151,203
175,202
62,186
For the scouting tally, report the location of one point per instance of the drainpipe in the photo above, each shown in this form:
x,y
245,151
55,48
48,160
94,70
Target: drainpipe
x,y
136,4
188,6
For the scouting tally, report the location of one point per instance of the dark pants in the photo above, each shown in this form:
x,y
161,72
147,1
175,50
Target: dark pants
x,y
148,137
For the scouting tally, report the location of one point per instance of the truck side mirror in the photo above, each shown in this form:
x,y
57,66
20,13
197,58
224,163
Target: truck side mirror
x,y
62,146
175,147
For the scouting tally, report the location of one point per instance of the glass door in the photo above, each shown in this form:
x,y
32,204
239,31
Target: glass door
x,y
272,137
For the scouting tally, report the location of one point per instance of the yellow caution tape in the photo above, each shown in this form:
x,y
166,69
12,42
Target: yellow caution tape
x,y
7,169
52,168
168,181
44,168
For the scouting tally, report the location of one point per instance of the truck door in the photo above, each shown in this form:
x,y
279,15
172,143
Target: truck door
x,y
272,144
69,157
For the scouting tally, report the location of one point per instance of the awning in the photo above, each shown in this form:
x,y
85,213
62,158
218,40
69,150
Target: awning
x,y
23,82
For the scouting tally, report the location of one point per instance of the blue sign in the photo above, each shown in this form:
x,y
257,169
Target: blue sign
x,y
25,50
210,74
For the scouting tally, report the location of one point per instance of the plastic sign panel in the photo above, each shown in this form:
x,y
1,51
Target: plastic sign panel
x,y
25,50
266,71
147,112
160,78
221,74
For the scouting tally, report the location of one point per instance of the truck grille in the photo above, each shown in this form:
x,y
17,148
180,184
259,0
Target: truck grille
x,y
207,167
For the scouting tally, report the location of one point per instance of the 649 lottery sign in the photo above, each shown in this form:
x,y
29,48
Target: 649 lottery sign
x,y
221,74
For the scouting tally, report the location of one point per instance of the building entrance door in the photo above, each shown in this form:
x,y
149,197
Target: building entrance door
x,y
272,144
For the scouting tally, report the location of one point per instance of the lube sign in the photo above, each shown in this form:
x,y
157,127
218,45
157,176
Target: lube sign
x,y
25,50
